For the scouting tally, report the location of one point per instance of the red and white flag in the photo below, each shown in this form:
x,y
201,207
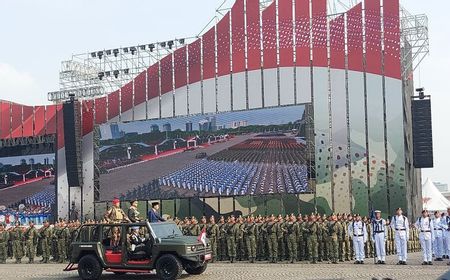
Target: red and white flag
x,y
202,237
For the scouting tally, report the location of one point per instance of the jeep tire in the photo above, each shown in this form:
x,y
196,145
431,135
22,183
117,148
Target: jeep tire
x,y
168,267
89,268
196,270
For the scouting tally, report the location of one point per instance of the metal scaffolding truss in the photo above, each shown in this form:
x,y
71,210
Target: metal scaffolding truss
x,y
414,34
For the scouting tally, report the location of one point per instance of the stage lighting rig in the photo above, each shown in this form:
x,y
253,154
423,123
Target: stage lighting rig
x,y
107,73
163,44
116,52
125,50
108,52
181,41
133,50
142,47
101,75
116,74
170,44
126,71
151,47
93,54
100,54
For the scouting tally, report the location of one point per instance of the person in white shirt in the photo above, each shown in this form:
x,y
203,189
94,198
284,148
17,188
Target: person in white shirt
x,y
425,226
445,223
438,241
400,226
357,231
379,236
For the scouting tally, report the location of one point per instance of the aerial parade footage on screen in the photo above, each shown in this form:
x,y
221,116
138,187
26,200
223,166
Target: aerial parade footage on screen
x,y
262,151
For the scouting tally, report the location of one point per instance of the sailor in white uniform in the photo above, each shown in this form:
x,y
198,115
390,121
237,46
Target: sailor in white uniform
x,y
379,237
358,232
425,226
445,222
400,226
438,241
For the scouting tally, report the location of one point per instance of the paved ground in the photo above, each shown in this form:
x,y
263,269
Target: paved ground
x,y
218,271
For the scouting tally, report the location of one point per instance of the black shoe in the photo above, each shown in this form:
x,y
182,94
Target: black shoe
x,y
399,263
438,259
361,262
430,263
425,263
383,262
356,262
403,263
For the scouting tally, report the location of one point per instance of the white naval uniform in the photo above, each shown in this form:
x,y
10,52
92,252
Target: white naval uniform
x,y
357,231
379,237
445,223
438,240
426,232
400,225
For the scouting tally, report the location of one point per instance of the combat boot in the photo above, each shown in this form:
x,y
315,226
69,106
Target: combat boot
x,y
314,261
231,259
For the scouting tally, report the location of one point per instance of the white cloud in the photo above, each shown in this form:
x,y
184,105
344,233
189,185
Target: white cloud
x,y
19,86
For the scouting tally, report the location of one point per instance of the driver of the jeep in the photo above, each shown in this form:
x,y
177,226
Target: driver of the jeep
x,y
137,241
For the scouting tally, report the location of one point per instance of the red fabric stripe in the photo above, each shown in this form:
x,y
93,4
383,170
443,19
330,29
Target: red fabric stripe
x,y
253,35
209,54
140,90
238,36
355,38
50,119
88,116
392,66
286,33
319,32
337,43
5,120
113,104
269,36
373,36
100,110
126,97
194,61
166,74
39,120
302,39
27,121
223,46
180,64
153,81
16,122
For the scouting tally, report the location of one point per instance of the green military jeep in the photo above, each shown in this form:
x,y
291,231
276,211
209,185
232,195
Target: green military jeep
x,y
137,248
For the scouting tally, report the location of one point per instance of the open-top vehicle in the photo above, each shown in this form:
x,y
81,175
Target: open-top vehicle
x,y
137,248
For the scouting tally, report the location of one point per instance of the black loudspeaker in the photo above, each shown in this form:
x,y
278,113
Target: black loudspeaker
x,y
72,141
422,133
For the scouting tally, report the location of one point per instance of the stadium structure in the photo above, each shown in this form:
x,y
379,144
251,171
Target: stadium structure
x,y
341,71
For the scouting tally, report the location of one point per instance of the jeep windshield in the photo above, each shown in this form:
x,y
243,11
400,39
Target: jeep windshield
x,y
166,230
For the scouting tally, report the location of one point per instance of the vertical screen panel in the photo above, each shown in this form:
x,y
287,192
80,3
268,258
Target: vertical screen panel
x,y
153,91
238,36
319,33
126,102
373,36
39,120
166,74
140,90
223,46
50,119
302,34
195,90
5,120
87,116
209,71
16,120
180,64
28,119
286,33
337,43
253,35
355,38
270,36
100,110
113,105
391,17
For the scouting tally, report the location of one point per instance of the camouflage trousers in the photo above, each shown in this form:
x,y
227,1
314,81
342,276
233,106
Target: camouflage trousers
x,y
18,250
213,242
251,246
345,250
3,252
231,247
333,249
240,248
272,246
45,250
31,250
62,250
313,248
292,247
301,245
222,246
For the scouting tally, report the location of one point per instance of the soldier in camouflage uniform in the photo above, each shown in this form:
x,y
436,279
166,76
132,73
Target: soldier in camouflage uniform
x,y
240,250
281,238
212,232
251,232
300,242
62,245
116,214
16,236
271,230
369,243
4,237
311,230
231,229
261,248
334,232
31,236
222,241
45,234
292,232
320,241
344,241
194,228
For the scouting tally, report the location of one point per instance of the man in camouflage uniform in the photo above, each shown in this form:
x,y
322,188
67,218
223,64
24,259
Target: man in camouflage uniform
x,y
251,232
203,224
4,237
320,238
261,248
62,236
292,231
31,236
116,214
271,230
369,243
222,241
231,229
281,238
194,228
334,232
344,241
300,242
212,232
16,236
45,234
240,251
311,231
133,213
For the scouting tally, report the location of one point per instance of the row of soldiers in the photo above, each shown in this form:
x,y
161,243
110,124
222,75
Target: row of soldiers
x,y
291,238
51,242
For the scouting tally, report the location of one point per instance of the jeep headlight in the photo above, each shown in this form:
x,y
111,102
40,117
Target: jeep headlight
x,y
191,249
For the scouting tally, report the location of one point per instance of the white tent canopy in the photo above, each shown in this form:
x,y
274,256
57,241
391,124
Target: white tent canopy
x,y
432,199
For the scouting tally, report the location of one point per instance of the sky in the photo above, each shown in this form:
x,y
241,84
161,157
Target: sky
x,y
36,35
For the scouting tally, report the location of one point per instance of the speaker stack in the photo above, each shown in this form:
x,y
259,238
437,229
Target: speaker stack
x,y
72,140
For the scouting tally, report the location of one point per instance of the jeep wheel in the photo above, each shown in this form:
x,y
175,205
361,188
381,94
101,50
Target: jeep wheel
x,y
168,267
89,268
196,270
